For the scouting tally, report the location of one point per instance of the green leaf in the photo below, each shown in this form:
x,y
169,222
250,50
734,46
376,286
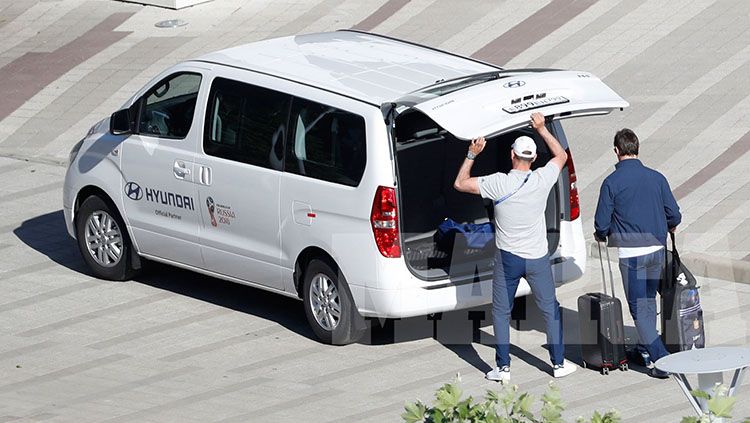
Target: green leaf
x,y
700,394
552,405
448,397
463,409
551,416
689,420
721,406
523,405
611,416
492,396
414,413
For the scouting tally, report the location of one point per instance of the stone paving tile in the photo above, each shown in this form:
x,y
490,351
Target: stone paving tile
x,y
588,24
532,29
33,71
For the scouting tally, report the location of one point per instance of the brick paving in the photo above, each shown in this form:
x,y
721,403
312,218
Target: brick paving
x,y
174,346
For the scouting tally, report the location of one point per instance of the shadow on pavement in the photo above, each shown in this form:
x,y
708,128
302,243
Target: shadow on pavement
x,y
47,235
458,331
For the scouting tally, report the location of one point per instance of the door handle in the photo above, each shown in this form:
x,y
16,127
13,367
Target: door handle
x,y
181,170
205,176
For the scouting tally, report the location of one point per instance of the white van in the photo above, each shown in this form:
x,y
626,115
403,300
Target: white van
x,y
319,167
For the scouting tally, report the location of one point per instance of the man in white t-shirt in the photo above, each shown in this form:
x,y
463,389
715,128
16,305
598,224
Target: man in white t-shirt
x,y
520,198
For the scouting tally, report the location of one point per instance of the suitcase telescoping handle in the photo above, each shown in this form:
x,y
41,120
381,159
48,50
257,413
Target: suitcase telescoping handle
x,y
609,264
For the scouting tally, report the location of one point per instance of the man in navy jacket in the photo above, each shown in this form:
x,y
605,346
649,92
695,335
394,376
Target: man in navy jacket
x,y
636,209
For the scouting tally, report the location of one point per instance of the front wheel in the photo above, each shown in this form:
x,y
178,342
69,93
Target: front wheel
x,y
329,307
103,240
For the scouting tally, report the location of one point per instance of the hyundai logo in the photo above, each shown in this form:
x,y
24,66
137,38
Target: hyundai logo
x,y
514,84
133,191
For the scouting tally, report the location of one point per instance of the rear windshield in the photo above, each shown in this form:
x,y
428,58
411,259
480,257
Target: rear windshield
x,y
441,87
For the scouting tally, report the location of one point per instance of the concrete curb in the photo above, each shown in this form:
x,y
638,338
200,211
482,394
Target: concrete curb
x,y
701,265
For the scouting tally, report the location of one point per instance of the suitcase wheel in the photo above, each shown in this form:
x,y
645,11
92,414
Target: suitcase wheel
x,y
605,371
624,367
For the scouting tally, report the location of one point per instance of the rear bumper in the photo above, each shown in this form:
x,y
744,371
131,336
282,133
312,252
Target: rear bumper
x,y
411,296
402,303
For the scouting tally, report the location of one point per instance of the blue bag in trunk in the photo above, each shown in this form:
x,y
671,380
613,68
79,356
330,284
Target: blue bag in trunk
x,y
476,235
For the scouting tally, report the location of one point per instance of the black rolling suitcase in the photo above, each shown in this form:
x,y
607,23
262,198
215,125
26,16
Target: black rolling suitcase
x,y
681,311
602,330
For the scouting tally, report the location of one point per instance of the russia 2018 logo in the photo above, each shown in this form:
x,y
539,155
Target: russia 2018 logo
x,y
211,209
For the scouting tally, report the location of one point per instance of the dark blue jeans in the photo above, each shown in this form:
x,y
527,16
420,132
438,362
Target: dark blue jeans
x,y
641,276
509,269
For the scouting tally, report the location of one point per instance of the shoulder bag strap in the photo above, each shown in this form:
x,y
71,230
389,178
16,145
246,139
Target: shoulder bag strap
x,y
507,196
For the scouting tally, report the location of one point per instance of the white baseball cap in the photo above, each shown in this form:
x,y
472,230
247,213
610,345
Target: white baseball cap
x,y
525,147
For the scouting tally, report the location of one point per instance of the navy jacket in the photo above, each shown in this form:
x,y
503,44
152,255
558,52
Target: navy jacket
x,y
636,207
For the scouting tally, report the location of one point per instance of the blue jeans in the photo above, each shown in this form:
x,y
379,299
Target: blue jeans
x,y
509,269
640,277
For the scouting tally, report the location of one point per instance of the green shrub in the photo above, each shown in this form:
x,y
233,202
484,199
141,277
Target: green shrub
x,y
719,405
508,406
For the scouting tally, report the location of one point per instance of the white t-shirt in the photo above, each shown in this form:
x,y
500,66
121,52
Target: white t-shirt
x,y
520,224
628,252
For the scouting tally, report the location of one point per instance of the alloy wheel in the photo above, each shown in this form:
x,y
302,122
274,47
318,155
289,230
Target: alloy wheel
x,y
325,302
103,239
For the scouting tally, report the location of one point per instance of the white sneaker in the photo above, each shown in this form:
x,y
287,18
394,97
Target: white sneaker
x,y
564,369
499,374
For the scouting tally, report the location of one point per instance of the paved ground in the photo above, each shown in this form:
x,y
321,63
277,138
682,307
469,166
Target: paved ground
x,y
177,346
174,346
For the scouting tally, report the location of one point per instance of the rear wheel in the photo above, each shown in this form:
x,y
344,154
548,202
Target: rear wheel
x,y
103,240
329,306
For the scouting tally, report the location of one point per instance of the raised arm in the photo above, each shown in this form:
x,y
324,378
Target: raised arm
x,y
464,181
559,156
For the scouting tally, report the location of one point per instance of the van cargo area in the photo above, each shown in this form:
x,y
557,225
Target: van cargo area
x,y
428,158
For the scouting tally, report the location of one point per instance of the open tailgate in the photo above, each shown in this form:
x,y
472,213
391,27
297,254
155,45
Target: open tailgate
x,y
506,104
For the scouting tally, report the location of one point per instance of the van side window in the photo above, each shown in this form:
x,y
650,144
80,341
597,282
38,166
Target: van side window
x,y
167,110
326,143
246,123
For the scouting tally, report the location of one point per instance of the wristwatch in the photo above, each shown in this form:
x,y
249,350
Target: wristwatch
x,y
471,156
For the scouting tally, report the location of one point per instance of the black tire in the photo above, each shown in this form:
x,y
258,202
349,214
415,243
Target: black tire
x,y
350,325
120,269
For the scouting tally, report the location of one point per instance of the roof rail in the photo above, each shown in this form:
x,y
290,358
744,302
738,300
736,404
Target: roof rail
x,y
420,45
296,81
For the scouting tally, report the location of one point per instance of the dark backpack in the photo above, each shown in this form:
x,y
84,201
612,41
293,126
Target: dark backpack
x,y
681,311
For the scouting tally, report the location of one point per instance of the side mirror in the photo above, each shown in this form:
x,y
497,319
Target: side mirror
x,y
120,123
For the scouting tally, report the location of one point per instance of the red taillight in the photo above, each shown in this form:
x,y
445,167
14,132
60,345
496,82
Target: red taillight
x,y
575,207
384,220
